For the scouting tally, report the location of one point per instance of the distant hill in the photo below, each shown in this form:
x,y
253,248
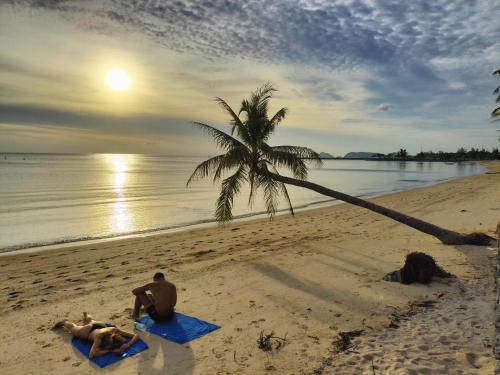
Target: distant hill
x,y
325,155
359,155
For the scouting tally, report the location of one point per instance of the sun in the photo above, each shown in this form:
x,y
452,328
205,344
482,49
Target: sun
x,y
118,80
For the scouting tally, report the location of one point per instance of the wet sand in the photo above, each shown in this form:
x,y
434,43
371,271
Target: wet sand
x,y
307,277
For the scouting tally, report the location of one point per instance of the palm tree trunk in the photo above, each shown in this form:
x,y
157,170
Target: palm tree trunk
x,y
446,236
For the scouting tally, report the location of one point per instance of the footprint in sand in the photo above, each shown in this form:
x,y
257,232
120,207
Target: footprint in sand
x,y
16,307
444,340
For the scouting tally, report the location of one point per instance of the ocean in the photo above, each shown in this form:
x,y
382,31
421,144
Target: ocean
x,y
48,199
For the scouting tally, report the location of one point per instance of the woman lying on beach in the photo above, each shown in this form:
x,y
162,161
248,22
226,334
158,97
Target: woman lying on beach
x,y
104,339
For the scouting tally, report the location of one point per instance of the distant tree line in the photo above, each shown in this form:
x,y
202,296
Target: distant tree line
x,y
460,155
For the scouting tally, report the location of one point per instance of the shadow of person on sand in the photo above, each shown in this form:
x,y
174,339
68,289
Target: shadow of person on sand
x,y
166,357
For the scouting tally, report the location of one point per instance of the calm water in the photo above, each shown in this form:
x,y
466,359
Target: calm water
x,y
47,199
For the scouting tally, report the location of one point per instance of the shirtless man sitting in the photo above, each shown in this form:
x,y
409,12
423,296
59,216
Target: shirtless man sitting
x,y
160,303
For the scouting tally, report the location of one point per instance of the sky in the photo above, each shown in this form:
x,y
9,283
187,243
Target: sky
x,y
355,75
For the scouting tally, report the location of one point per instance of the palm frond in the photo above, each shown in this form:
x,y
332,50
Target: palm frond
x,y
496,91
253,186
263,91
235,122
496,112
260,102
287,197
296,165
496,72
287,160
256,110
279,116
205,168
223,140
271,192
261,96
229,188
233,158
262,107
285,192
245,107
270,125
301,152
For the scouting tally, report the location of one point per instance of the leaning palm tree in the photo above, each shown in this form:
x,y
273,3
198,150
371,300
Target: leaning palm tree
x,y
253,161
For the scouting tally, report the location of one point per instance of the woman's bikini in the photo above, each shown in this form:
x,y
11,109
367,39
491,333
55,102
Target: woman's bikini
x,y
96,326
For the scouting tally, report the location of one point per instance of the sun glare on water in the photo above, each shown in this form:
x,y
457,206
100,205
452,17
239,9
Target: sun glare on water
x,y
118,168
118,80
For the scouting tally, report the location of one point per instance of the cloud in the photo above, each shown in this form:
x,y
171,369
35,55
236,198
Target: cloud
x,y
26,114
82,131
354,121
324,88
335,34
422,63
393,40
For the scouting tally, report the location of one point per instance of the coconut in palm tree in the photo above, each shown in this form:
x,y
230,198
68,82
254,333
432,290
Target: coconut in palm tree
x,y
253,161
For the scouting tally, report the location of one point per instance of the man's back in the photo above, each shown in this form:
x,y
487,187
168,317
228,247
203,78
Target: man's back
x,y
165,295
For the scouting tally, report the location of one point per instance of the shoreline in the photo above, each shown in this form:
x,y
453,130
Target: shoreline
x,y
310,276
208,223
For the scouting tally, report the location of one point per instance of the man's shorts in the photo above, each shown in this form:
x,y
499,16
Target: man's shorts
x,y
156,316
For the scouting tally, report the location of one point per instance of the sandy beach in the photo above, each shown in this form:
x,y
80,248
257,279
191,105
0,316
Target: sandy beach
x,y
308,277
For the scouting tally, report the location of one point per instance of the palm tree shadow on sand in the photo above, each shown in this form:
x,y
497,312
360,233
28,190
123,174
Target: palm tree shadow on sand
x,y
166,357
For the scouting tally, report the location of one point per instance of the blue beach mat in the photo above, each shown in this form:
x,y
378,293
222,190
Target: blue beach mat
x,y
180,329
84,346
